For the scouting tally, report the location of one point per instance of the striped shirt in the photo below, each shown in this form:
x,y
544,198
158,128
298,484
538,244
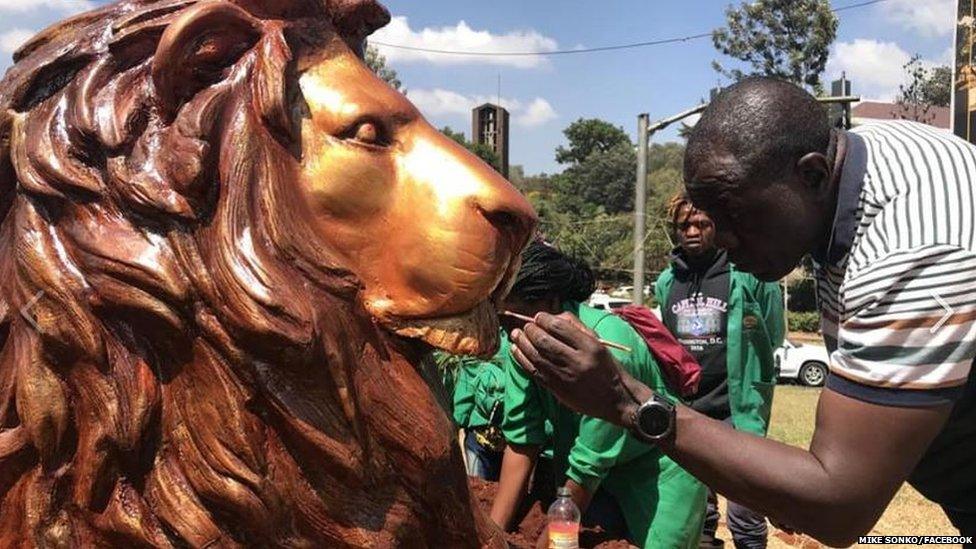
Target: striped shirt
x,y
897,287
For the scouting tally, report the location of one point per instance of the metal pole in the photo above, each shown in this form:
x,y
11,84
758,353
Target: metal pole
x,y
640,202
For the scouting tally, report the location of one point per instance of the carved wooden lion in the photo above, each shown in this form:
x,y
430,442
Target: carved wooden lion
x,y
224,247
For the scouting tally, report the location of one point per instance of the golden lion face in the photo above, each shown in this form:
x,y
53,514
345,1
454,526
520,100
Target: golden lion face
x,y
428,228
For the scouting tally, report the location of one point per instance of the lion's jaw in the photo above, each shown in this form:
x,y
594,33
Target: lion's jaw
x,y
432,233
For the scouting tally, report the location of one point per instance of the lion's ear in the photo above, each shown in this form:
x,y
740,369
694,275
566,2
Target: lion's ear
x,y
196,49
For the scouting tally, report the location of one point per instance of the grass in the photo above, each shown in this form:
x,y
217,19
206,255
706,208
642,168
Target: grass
x,y
794,414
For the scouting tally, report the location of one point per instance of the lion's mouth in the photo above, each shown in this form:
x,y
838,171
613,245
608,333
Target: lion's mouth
x,y
472,333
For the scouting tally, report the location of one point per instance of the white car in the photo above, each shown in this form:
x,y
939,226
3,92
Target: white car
x,y
606,302
628,292
802,362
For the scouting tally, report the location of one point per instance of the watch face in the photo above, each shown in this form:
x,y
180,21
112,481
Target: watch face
x,y
654,420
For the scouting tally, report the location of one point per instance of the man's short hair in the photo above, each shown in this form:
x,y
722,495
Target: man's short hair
x,y
766,123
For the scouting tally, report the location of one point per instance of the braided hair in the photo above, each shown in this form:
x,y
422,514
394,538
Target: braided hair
x,y
546,272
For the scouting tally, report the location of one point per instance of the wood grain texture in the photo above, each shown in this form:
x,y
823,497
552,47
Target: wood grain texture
x,y
196,364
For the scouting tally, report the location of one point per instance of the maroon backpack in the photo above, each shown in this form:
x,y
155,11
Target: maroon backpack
x,y
681,371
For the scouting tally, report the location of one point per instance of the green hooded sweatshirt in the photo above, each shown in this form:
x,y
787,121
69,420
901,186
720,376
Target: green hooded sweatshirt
x,y
479,388
755,329
661,502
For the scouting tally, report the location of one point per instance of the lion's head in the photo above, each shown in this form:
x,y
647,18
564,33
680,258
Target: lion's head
x,y
221,233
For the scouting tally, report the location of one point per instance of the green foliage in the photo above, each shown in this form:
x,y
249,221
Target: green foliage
x,y
587,136
604,178
937,88
803,322
481,150
587,210
915,95
377,63
602,167
803,294
788,39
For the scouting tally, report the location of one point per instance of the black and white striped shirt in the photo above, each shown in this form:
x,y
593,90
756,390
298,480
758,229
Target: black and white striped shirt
x,y
899,307
897,288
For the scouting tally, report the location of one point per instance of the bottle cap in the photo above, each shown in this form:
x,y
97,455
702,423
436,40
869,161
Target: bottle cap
x,y
563,492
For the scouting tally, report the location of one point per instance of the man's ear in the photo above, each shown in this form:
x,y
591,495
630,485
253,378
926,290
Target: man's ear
x,y
196,49
815,171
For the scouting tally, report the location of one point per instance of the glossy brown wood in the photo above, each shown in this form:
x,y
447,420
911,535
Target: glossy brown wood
x,y
215,287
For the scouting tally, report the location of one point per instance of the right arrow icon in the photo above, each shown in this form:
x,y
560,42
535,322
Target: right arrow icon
x,y
945,318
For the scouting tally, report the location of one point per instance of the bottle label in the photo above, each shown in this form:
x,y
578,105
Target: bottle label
x,y
563,535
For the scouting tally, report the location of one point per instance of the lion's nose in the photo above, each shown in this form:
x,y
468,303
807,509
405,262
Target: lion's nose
x,y
507,210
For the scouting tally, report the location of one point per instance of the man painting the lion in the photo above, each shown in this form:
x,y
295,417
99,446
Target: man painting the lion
x,y
230,244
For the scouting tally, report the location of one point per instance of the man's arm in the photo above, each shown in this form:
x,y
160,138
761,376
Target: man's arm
x,y
517,464
860,454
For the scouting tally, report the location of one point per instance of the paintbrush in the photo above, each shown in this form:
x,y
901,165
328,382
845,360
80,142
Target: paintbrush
x,y
606,343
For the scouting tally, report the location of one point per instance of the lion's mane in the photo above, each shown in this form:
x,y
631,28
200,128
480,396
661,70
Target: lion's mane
x,y
159,297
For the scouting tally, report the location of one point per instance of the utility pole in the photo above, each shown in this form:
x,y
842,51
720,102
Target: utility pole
x,y
640,203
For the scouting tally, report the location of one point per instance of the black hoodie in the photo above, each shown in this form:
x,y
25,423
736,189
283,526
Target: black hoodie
x,y
696,312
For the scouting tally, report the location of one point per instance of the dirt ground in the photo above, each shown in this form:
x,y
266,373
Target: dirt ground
x,y
533,523
794,413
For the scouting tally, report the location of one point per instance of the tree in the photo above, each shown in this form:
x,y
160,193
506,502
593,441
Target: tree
x,y
481,150
937,88
912,103
788,39
376,61
604,179
587,136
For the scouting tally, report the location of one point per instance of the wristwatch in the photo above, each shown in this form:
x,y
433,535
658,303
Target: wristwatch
x,y
654,420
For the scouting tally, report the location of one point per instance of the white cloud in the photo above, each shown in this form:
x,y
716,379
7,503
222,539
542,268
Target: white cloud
x,y
460,37
12,39
537,113
62,6
926,17
441,102
875,69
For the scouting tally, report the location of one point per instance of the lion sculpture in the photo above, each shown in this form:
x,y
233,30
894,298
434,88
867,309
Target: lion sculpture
x,y
225,246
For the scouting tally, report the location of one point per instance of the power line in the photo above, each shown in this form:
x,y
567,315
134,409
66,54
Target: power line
x,y
859,5
585,50
556,52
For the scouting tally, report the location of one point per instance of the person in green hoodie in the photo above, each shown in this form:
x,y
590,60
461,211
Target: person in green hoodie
x,y
609,473
730,322
479,388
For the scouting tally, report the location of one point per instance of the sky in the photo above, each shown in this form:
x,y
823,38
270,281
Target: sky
x,y
547,93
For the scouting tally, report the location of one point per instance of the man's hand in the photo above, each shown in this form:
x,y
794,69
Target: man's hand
x,y
567,358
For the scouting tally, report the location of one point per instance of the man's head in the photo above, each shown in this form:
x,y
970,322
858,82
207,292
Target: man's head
x,y
694,229
760,163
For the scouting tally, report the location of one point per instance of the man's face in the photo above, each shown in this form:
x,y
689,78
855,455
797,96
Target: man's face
x,y
766,226
696,232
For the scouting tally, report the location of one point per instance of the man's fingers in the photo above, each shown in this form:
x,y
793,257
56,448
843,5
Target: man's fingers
x,y
549,348
567,329
529,358
524,363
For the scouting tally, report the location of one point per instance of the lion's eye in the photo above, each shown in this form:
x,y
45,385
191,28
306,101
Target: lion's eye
x,y
368,133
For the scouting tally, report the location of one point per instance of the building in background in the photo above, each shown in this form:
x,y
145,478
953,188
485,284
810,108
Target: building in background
x,y
939,117
489,126
964,97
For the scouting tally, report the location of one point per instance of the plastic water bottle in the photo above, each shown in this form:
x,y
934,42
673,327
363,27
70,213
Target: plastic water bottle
x,y
564,522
